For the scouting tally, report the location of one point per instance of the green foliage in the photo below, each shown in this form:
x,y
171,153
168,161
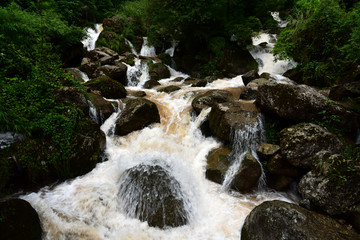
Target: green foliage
x,y
323,39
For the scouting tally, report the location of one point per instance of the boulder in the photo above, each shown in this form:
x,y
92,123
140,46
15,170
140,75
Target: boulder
x,y
251,90
207,99
104,108
266,151
196,82
347,90
279,166
302,103
150,193
169,89
248,174
249,76
301,142
108,87
72,95
76,74
88,67
226,118
151,83
19,221
158,71
333,186
218,162
118,72
273,220
137,114
265,75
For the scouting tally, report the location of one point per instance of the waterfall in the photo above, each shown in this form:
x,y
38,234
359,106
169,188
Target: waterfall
x,y
246,139
84,76
92,36
171,50
133,50
146,49
138,74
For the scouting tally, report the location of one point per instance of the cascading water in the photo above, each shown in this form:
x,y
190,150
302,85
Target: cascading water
x,y
246,139
133,50
146,49
92,36
98,205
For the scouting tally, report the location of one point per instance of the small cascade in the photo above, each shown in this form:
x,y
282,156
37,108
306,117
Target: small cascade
x,y
92,36
84,76
281,23
171,50
138,74
8,138
246,139
93,112
133,50
147,50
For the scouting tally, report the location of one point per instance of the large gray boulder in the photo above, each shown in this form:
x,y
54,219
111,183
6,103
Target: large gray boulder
x,y
207,99
150,193
333,186
137,114
301,103
301,142
274,220
250,92
226,118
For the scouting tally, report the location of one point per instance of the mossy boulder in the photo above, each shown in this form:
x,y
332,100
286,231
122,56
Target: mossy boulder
x,y
218,162
273,220
207,99
301,142
158,71
333,186
108,87
19,221
72,95
114,41
137,114
118,72
169,89
150,193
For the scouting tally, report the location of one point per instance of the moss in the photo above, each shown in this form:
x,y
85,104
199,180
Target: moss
x,y
108,87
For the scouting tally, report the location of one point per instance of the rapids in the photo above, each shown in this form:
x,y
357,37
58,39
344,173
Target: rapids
x,y
89,207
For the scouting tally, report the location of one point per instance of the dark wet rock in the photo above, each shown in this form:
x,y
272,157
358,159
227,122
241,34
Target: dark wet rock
x,y
275,220
178,79
218,162
88,67
196,82
118,72
72,95
101,53
250,92
207,99
294,74
150,193
19,221
104,108
342,92
151,83
333,186
279,182
107,60
138,93
302,103
25,164
265,75
266,151
301,142
279,166
137,114
108,87
169,89
72,55
249,76
355,217
248,174
158,71
226,118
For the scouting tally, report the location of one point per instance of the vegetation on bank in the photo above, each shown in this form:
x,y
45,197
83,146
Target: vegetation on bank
x,y
323,38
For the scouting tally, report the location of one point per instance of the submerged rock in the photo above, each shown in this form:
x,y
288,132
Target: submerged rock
x,y
169,89
137,114
249,76
275,220
205,100
19,221
301,142
150,193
